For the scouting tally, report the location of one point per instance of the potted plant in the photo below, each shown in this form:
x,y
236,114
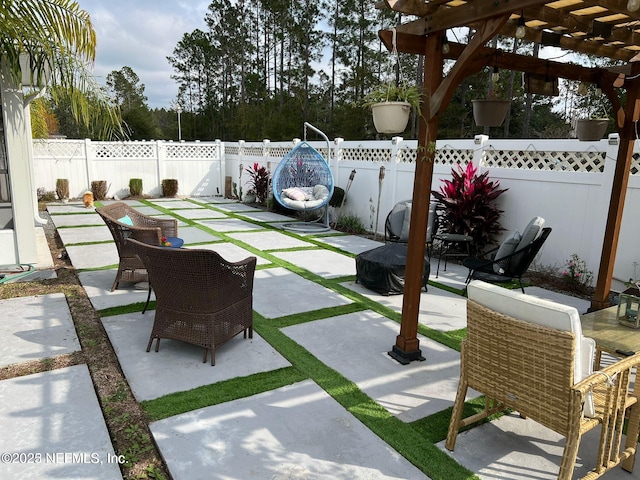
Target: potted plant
x,y
62,189
591,129
391,105
490,112
592,107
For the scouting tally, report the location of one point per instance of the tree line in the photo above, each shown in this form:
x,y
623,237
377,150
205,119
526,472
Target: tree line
x,y
262,69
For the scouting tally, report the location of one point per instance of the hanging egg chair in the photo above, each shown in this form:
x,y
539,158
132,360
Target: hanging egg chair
x,y
303,182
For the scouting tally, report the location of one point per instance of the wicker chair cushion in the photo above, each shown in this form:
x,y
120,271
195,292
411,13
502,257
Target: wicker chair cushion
x,y
541,312
301,198
296,193
126,220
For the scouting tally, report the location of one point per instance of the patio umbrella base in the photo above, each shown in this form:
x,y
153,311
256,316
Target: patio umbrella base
x,y
405,358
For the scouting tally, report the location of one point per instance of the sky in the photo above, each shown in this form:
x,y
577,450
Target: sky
x,y
140,34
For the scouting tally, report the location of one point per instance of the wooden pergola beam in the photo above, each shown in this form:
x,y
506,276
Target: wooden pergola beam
x,y
504,60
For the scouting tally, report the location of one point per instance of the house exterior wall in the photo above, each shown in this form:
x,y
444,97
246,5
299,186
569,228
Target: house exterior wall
x,y
18,244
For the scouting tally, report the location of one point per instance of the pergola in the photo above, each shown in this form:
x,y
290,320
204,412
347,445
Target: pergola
x,y
606,28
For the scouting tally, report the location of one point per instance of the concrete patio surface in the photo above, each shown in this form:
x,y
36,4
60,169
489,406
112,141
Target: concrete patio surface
x,y
297,431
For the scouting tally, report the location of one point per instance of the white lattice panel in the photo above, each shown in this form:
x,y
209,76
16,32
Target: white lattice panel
x,y
590,162
192,150
124,150
366,154
279,152
229,150
407,155
453,156
252,151
58,149
635,164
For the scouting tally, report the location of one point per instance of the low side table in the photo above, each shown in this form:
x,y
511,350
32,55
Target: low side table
x,y
447,240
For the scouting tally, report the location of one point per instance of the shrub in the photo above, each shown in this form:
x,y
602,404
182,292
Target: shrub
x,y
169,187
259,182
468,202
62,188
351,224
576,274
99,189
46,196
135,187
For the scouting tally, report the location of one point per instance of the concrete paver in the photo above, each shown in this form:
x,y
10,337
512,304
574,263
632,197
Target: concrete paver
x,y
324,263
178,366
73,235
269,240
297,431
277,292
52,427
35,328
356,345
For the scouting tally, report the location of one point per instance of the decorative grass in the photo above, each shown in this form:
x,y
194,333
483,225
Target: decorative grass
x,y
225,391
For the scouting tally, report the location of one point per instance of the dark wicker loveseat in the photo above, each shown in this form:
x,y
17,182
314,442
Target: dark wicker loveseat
x,y
145,228
201,298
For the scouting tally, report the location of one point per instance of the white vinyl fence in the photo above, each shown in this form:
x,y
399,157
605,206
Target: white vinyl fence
x,y
567,182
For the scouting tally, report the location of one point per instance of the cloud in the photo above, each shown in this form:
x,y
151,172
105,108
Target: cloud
x,y
141,35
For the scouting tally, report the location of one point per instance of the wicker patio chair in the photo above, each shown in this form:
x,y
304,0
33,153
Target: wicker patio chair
x,y
147,229
201,298
544,374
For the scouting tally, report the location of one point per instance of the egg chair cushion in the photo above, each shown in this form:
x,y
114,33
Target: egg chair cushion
x,y
305,198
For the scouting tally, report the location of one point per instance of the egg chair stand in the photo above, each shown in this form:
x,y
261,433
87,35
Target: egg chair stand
x,y
303,182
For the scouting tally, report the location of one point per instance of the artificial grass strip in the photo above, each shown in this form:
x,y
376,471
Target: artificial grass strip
x,y
130,308
221,392
298,318
447,288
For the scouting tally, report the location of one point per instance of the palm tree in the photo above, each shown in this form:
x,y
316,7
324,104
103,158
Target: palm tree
x,y
57,36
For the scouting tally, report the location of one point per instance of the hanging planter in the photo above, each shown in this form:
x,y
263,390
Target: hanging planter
x,y
490,112
391,106
391,103
391,117
591,129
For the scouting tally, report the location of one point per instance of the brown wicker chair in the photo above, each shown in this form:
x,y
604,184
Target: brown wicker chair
x,y
531,367
145,228
200,297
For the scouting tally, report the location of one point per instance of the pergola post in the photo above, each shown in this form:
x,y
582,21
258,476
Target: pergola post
x,y
407,347
618,191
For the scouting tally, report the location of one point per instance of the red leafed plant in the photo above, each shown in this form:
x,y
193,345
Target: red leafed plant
x,y
468,203
259,182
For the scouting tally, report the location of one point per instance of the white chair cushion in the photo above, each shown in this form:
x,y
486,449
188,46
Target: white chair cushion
x,y
531,232
541,312
506,248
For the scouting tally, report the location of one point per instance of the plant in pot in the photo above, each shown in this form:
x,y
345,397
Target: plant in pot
x,y
469,206
62,189
391,106
491,111
259,183
592,108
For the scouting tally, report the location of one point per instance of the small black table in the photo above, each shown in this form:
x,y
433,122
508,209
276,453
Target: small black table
x,y
447,241
382,269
